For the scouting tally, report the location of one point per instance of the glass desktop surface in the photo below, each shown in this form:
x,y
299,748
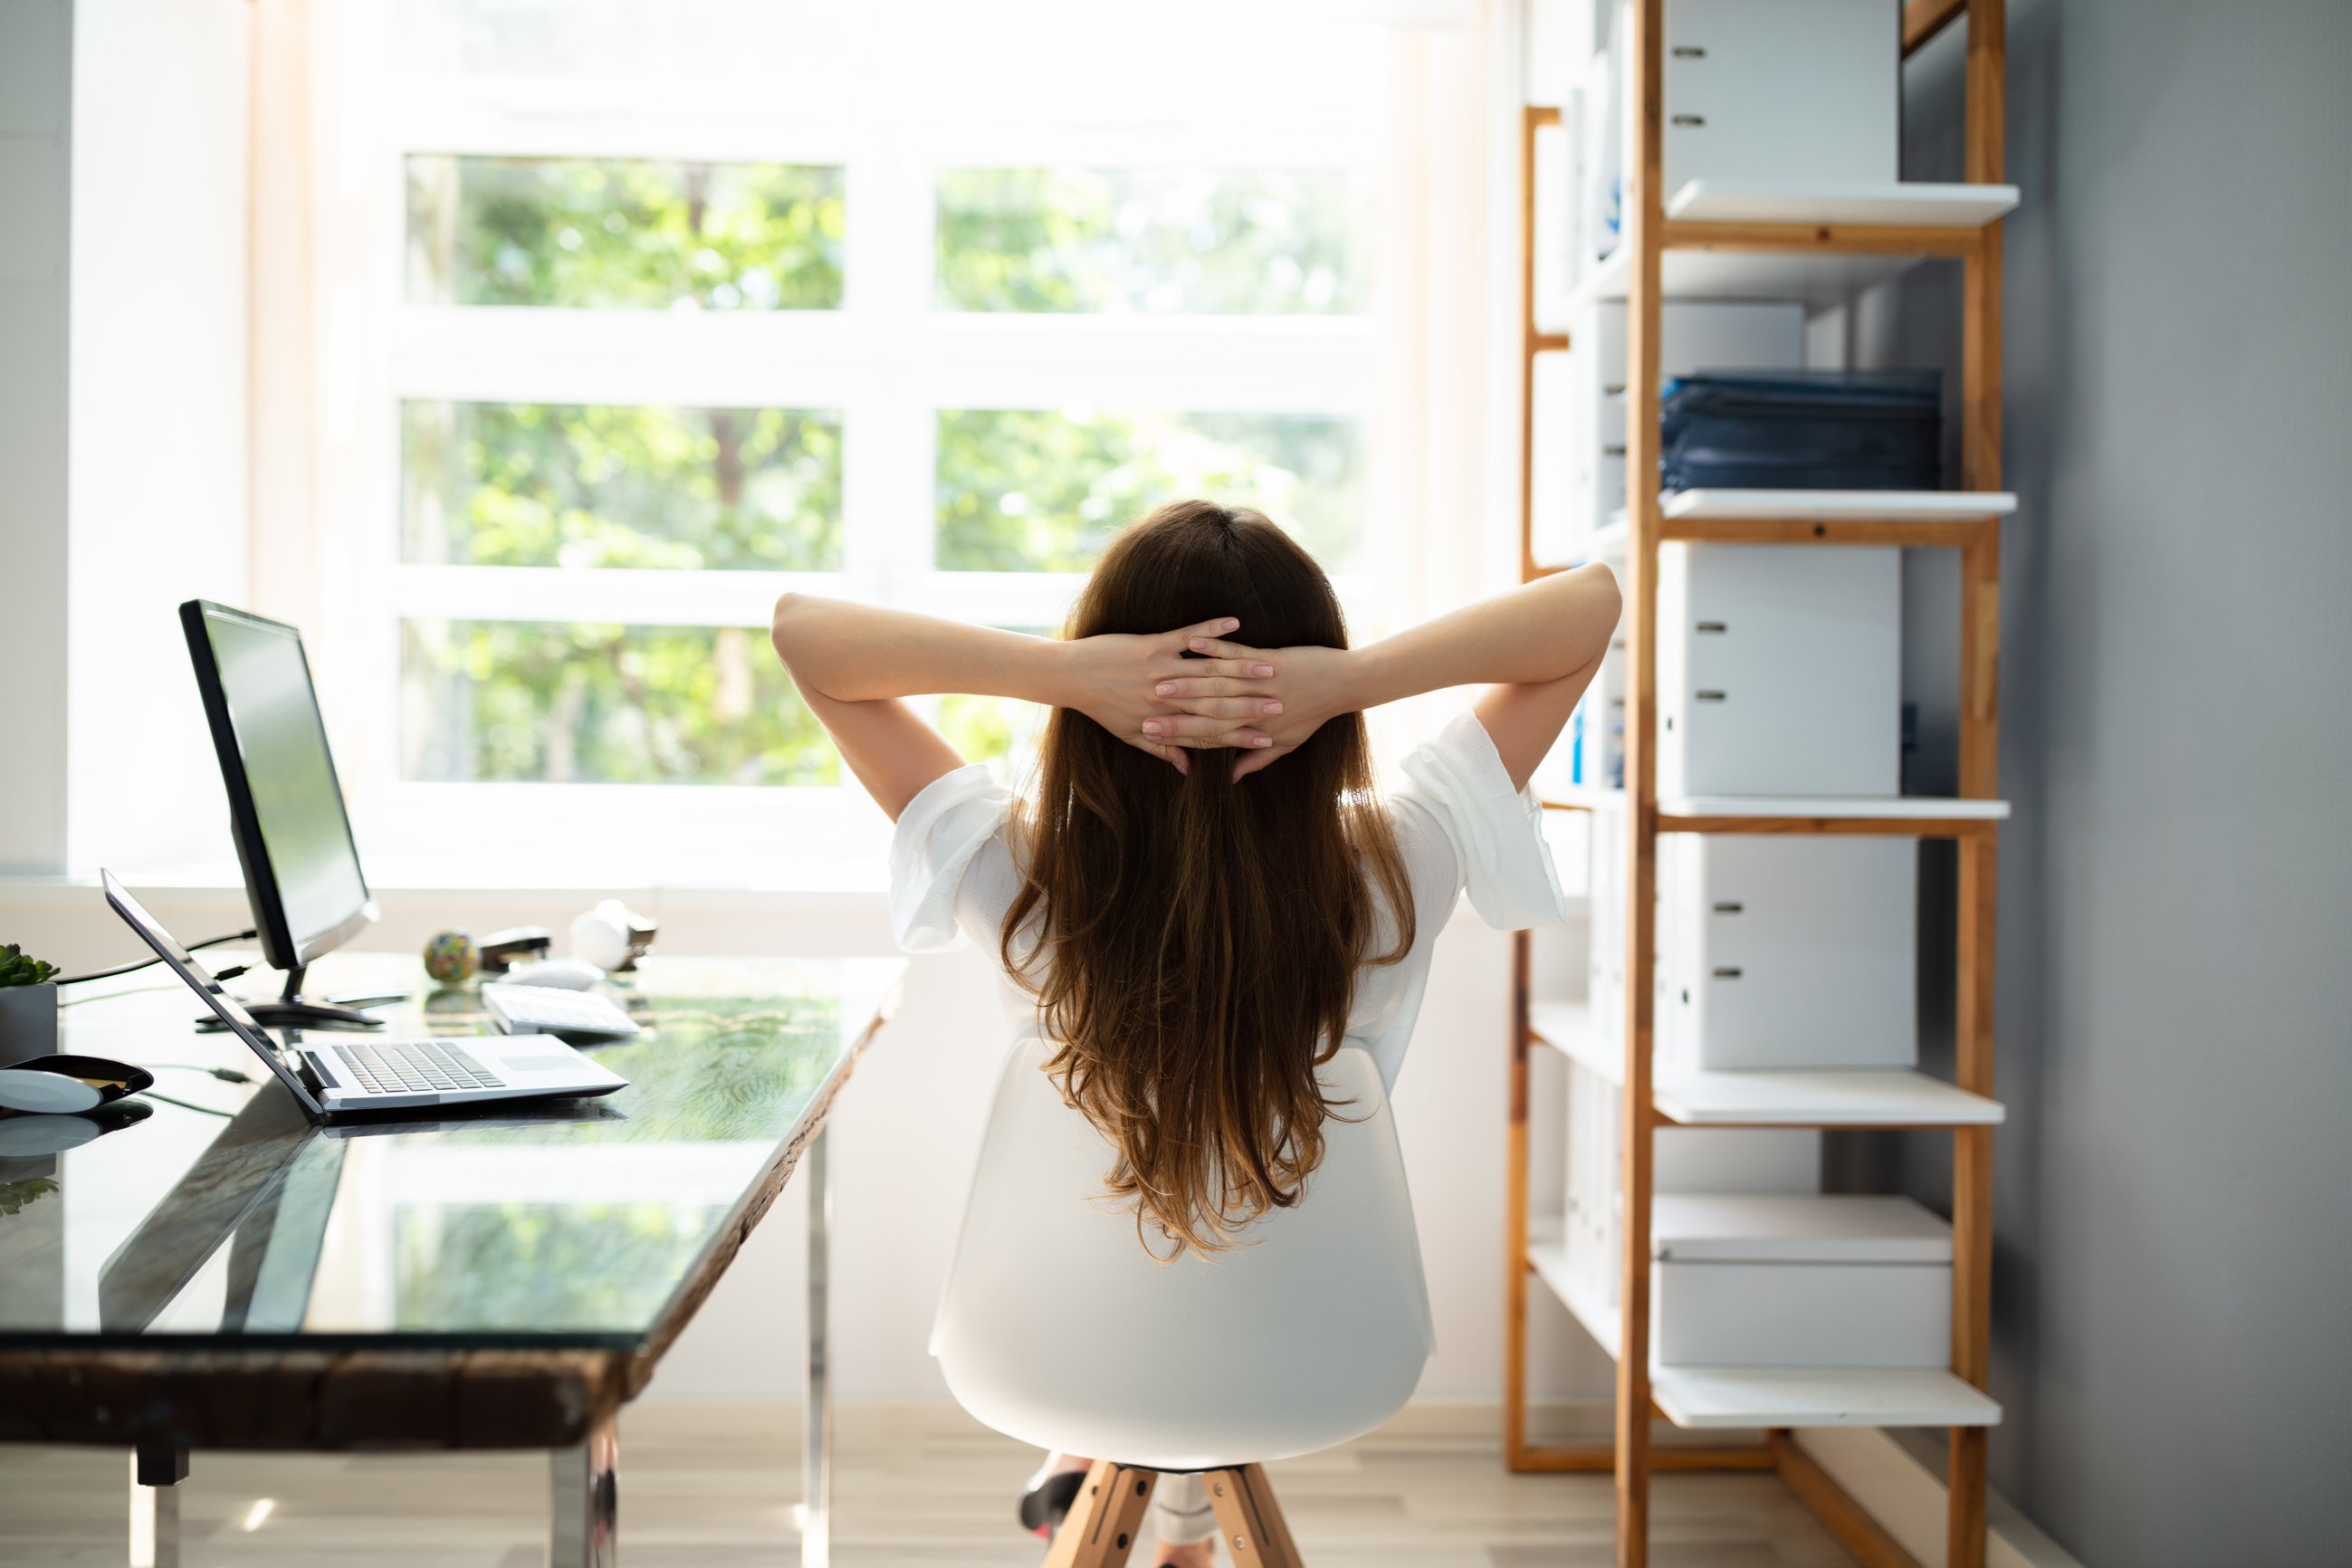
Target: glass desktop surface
x,y
567,1222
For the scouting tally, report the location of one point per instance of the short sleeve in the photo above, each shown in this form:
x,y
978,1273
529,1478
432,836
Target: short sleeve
x,y
1497,832
942,829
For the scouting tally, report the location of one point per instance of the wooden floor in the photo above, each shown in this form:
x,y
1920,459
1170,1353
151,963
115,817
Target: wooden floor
x,y
713,1487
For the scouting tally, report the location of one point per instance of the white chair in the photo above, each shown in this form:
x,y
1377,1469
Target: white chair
x,y
1059,1330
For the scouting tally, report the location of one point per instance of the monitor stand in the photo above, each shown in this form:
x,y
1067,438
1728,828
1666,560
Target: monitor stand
x,y
291,1009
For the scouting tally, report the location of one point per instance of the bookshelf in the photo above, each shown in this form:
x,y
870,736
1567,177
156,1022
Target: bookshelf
x,y
1818,244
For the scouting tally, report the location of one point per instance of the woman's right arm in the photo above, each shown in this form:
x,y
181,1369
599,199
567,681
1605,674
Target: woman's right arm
x,y
1536,647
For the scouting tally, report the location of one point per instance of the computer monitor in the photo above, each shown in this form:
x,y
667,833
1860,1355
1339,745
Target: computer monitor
x,y
285,809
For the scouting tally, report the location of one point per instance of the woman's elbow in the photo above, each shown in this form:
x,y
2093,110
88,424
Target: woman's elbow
x,y
783,625
1607,605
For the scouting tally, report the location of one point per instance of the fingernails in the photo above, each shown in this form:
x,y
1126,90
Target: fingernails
x,y
1152,726
1163,688
1271,708
1261,671
1199,645
1230,624
1263,740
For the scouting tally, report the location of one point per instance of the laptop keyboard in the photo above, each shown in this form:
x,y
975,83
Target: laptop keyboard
x,y
413,1067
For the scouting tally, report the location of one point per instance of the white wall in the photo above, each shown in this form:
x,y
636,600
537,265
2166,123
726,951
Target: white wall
x,y
156,457
35,151
2173,1247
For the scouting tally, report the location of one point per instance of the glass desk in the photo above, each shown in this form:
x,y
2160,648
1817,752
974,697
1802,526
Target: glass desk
x,y
221,1273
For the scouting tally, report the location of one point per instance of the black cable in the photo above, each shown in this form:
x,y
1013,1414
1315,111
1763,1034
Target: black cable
x,y
189,1104
227,1075
65,1001
142,963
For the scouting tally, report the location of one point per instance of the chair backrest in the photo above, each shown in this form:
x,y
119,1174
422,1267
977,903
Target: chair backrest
x,y
1058,1329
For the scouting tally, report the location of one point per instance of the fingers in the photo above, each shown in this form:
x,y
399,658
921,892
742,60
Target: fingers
x,y
1235,669
1231,657
1206,631
1181,688
1194,729
1235,710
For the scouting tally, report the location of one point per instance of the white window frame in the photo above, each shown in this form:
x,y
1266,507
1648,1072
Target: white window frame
x,y
886,362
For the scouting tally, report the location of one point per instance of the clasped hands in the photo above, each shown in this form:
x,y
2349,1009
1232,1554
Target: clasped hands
x,y
1172,693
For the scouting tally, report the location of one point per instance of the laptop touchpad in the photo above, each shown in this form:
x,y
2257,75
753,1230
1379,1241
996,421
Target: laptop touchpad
x,y
539,1064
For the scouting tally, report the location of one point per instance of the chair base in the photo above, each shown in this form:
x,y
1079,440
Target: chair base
x,y
1102,1524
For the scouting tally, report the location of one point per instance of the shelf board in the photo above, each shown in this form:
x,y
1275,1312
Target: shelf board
x,y
1905,816
1820,274
1811,1097
1838,505
1866,204
1548,1260
1583,797
1769,1396
1567,1027
1876,808
1817,281
1929,519
1818,1097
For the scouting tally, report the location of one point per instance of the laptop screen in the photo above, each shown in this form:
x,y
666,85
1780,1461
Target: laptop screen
x,y
227,1008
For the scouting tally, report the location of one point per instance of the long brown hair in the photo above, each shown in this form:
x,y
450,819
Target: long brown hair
x,y
1196,938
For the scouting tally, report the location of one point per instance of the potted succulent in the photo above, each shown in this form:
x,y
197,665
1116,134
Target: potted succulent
x,y
28,1005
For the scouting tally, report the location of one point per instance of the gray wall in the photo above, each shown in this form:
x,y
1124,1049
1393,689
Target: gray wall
x,y
2173,1278
36,171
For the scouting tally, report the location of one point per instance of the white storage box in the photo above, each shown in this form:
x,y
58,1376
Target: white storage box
x,y
1800,1281
1776,93
1787,952
1781,92
1778,670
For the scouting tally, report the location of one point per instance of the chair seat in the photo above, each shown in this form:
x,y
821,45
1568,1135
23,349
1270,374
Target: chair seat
x,y
1058,1329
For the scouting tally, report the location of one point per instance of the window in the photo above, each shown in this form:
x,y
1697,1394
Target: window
x,y
678,308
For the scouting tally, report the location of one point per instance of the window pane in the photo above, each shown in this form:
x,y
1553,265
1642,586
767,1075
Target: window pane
x,y
1037,490
1209,241
511,701
524,484
616,233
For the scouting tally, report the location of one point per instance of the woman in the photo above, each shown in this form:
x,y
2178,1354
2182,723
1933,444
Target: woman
x,y
1203,897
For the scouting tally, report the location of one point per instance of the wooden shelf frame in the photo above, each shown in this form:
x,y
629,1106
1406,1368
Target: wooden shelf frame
x,y
1633,1459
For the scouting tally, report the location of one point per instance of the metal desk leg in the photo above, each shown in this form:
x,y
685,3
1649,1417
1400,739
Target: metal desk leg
x,y
816,1436
585,1497
156,1473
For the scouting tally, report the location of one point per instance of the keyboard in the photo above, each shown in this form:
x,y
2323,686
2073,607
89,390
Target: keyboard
x,y
546,1010
413,1067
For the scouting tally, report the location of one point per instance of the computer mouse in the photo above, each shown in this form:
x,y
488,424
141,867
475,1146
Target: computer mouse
x,y
570,973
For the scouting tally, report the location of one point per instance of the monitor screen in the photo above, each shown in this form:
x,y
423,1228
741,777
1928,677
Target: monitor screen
x,y
275,755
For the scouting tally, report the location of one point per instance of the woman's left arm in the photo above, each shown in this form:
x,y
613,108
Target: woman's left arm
x,y
851,662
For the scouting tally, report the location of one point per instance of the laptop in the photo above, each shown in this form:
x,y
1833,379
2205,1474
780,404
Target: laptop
x,y
368,1074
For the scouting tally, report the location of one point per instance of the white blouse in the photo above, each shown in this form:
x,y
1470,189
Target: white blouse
x,y
1457,821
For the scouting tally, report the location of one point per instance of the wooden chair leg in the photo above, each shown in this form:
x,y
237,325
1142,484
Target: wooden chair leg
x,y
1104,1519
1251,1519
